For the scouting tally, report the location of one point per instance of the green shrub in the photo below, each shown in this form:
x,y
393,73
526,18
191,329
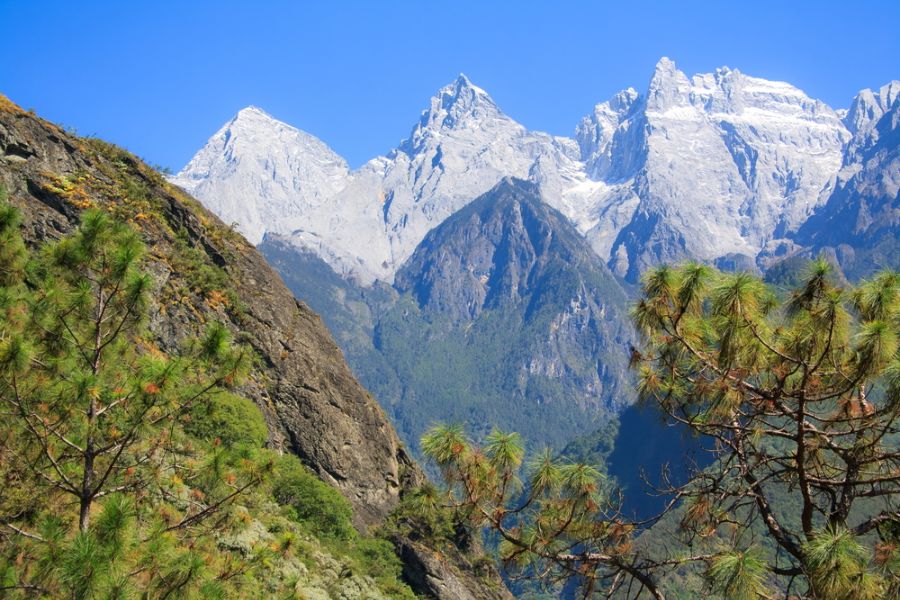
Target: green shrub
x,y
420,516
314,503
376,558
234,420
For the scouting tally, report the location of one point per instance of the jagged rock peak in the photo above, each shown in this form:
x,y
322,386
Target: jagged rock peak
x,y
595,132
462,94
668,87
868,106
623,100
665,68
455,106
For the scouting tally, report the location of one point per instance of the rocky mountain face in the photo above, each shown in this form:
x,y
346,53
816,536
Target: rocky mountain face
x,y
859,221
710,167
503,317
285,171
719,167
203,271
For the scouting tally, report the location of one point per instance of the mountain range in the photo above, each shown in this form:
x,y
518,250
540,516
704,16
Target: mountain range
x,y
480,272
502,317
719,166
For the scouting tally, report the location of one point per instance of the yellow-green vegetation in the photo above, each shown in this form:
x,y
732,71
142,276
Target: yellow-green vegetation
x,y
201,277
801,397
321,508
129,190
72,189
9,106
227,419
127,472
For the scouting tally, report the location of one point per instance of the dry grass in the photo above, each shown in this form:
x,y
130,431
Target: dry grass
x,y
7,105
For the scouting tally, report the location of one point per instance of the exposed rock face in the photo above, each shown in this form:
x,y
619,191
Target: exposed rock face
x,y
311,400
426,570
859,222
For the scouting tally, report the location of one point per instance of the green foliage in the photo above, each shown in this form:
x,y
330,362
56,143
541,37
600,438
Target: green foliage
x,y
131,473
377,559
565,506
233,420
839,566
461,372
316,505
422,516
800,395
796,389
12,248
739,575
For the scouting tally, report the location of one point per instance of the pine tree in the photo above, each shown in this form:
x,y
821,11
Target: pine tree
x,y
103,494
801,396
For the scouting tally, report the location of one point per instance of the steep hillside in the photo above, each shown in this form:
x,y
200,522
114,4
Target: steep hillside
x,y
312,402
503,317
205,272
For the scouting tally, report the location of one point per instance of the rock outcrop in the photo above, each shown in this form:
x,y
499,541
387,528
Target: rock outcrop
x,y
858,223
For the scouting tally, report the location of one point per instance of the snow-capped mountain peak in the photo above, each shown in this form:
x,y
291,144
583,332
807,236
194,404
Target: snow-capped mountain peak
x,y
462,145
262,173
458,105
251,111
463,94
712,166
868,106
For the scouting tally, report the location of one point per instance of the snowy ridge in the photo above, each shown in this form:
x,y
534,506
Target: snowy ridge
x,y
262,174
714,166
460,148
710,166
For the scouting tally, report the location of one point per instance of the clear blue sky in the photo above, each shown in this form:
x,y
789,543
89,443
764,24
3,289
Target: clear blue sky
x,y
160,77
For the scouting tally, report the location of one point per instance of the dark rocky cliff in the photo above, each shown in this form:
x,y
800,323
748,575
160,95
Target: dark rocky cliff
x,y
204,271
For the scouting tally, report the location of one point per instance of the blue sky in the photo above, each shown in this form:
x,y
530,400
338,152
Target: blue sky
x,y
160,77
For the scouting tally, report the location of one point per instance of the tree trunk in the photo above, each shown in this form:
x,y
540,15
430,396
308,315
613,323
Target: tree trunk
x,y
84,515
